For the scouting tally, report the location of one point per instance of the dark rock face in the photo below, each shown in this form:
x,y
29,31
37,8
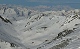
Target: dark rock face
x,y
5,20
12,44
61,45
64,33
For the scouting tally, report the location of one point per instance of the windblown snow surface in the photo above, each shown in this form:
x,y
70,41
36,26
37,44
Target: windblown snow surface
x,y
22,28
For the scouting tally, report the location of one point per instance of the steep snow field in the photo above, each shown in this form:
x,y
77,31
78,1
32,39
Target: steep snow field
x,y
22,28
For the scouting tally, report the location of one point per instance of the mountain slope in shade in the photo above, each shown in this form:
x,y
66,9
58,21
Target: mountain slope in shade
x,y
22,28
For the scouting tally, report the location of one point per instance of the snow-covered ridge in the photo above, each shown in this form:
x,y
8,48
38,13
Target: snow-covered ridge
x,y
22,28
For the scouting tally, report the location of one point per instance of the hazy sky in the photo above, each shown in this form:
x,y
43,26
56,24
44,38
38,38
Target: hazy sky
x,y
72,3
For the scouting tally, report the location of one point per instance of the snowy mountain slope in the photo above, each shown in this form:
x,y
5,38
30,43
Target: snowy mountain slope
x,y
21,28
9,34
